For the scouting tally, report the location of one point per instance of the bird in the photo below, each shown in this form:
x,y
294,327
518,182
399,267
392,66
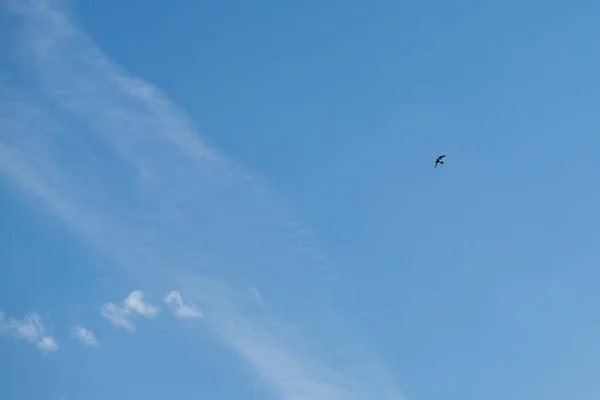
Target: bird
x,y
439,160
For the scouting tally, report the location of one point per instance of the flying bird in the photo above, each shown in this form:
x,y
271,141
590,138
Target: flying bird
x,y
439,160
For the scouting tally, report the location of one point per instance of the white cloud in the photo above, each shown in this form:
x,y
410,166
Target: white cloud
x,y
84,335
157,196
122,316
135,302
182,310
29,328
47,344
117,316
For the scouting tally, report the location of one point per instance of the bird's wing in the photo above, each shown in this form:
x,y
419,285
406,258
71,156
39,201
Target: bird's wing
x,y
442,156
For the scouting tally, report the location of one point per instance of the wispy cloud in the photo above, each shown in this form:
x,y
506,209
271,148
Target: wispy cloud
x,y
84,335
256,294
122,316
117,316
135,302
47,344
125,168
29,328
181,309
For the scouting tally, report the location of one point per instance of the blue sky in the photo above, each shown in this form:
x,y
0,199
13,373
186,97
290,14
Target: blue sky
x,y
237,200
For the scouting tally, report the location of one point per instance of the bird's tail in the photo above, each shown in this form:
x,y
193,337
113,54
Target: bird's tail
x,y
441,162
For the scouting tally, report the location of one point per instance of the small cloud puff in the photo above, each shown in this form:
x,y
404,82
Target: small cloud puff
x,y
182,310
29,328
135,302
47,344
84,335
121,316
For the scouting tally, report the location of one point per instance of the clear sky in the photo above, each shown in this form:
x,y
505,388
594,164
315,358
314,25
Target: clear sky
x,y
237,200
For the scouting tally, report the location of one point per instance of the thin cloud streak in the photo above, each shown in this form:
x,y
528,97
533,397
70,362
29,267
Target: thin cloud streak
x,y
124,167
117,316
